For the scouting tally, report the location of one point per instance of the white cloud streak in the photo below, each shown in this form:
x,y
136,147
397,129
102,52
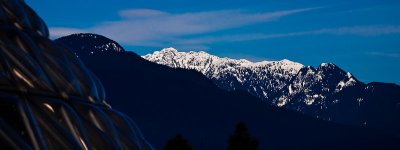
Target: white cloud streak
x,y
56,32
358,31
384,54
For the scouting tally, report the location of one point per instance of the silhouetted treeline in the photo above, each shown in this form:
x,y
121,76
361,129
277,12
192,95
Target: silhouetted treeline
x,y
241,139
178,143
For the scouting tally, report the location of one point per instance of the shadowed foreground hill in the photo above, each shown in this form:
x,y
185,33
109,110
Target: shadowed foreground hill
x,y
166,101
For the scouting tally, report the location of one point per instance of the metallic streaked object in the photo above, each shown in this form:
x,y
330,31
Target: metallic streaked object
x,y
48,99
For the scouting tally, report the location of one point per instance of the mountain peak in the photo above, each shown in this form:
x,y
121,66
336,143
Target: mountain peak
x,y
86,44
331,69
169,49
327,65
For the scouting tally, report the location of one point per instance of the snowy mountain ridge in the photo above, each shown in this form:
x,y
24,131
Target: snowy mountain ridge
x,y
264,79
205,63
231,74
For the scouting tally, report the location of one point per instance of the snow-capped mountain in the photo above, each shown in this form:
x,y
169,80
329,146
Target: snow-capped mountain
x,y
323,92
262,79
278,82
313,86
326,92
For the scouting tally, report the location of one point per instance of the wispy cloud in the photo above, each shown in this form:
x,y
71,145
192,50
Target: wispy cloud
x,y
141,13
357,30
62,31
147,27
384,54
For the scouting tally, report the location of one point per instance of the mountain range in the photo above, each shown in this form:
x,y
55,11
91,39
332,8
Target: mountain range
x,y
166,100
326,92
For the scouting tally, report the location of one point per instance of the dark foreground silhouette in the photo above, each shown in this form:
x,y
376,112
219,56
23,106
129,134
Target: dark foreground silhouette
x,y
48,98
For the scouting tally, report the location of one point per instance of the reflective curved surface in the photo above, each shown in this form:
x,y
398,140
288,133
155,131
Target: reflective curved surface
x,y
48,99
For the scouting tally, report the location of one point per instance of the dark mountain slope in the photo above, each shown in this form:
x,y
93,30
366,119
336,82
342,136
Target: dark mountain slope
x,y
166,101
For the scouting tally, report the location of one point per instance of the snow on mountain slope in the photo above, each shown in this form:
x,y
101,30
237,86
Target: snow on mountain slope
x,y
281,83
315,85
320,92
262,79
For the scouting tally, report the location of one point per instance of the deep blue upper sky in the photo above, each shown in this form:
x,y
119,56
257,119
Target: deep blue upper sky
x,y
361,36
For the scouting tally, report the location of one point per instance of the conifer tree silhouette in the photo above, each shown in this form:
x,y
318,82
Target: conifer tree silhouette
x,y
178,143
241,139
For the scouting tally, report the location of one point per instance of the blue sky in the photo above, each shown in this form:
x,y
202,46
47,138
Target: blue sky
x,y
361,36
